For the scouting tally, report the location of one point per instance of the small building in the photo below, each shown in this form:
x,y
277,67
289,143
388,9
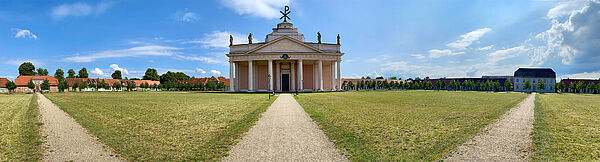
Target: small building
x,y
22,82
3,88
568,82
534,76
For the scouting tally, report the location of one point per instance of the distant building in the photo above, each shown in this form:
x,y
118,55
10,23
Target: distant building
x,y
534,76
568,82
345,82
206,80
110,82
3,88
22,82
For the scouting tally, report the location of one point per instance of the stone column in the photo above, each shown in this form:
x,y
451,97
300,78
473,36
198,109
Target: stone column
x,y
300,77
293,77
278,69
320,75
250,79
270,74
237,77
332,74
231,89
339,75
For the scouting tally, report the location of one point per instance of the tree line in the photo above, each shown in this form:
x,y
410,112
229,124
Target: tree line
x,y
468,85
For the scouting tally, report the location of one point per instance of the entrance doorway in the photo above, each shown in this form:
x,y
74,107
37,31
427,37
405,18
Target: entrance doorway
x,y
285,82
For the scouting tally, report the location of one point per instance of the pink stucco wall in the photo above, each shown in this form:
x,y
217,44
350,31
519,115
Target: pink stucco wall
x,y
243,77
326,75
261,77
307,73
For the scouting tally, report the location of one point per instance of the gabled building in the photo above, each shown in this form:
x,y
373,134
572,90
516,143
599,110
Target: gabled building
x,y
3,88
22,82
534,76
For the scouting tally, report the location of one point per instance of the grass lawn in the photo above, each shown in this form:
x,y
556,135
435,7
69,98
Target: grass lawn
x,y
159,126
566,128
19,136
404,125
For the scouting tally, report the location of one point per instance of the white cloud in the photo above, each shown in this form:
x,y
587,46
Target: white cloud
x,y
504,54
116,67
98,72
584,75
268,9
79,9
18,62
200,71
150,50
418,56
203,59
215,72
185,16
565,8
486,48
435,53
23,33
468,38
219,39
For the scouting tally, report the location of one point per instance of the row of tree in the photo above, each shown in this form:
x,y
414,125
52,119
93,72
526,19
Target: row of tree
x,y
428,85
579,87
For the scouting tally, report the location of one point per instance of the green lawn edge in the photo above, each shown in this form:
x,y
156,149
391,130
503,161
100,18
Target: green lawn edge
x,y
30,138
355,149
219,149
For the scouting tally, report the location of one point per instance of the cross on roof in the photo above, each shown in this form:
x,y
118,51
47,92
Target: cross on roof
x,y
285,14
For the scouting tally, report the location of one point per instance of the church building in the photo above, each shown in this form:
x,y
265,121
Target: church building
x,y
285,62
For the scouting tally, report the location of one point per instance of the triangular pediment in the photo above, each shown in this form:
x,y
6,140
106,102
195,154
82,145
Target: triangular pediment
x,y
285,44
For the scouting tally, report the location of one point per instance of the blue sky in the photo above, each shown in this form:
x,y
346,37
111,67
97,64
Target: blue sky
x,y
379,38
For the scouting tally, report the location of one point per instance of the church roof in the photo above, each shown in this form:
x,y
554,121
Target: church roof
x,y
535,73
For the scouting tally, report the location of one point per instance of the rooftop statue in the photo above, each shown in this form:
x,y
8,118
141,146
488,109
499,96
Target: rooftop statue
x,y
250,38
285,14
338,39
230,40
319,37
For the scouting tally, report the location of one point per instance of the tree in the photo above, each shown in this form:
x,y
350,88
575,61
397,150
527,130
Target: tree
x,y
75,86
30,85
116,74
368,77
580,86
62,85
541,85
169,77
151,74
59,74
26,69
82,86
598,87
83,73
45,85
393,78
527,85
43,72
116,86
591,88
211,86
130,86
11,86
71,73
379,77
559,86
507,85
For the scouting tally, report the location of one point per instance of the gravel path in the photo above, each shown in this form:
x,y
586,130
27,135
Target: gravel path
x,y
285,133
65,140
507,139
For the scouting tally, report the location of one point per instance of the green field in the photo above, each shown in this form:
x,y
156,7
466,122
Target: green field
x,y
160,126
404,125
19,136
566,128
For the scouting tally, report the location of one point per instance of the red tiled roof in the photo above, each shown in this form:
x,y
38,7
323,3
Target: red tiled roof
x,y
23,80
205,80
3,82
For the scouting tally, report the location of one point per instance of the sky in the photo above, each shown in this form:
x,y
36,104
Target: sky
x,y
406,39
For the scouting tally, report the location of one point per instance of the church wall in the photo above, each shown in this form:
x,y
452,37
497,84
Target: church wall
x,y
262,75
307,73
326,75
243,77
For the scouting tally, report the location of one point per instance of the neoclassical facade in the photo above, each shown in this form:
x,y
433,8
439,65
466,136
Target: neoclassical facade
x,y
285,62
